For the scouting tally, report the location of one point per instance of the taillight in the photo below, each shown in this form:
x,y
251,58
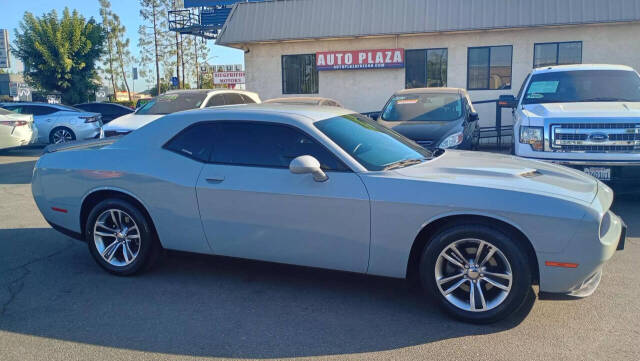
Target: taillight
x,y
13,123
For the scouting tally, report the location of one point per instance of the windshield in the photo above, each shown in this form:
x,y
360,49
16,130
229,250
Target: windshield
x,y
583,86
5,112
372,145
423,107
171,103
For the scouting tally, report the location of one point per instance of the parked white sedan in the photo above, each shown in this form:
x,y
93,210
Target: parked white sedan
x,y
325,187
58,123
16,129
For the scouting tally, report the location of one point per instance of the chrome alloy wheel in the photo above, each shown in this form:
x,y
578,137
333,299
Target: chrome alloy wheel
x,y
473,275
117,237
62,136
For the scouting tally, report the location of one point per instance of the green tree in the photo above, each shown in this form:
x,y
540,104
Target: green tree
x,y
60,54
153,35
107,24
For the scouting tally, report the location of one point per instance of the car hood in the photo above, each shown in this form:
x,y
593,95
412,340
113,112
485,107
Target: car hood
x,y
434,131
130,122
583,110
506,172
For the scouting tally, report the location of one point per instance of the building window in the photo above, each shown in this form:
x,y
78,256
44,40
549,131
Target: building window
x,y
548,54
426,68
299,74
489,67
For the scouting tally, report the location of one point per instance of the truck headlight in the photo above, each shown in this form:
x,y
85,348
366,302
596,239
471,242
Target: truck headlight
x,y
451,141
533,136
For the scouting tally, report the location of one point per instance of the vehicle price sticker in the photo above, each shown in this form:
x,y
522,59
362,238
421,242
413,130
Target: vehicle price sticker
x,y
601,173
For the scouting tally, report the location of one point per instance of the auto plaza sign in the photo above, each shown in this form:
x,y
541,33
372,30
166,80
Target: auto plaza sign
x,y
360,59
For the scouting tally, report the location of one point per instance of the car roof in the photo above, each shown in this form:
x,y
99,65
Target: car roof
x,y
312,113
577,67
299,99
208,91
430,91
42,104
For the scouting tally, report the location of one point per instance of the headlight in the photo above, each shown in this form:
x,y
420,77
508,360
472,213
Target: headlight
x,y
452,140
532,136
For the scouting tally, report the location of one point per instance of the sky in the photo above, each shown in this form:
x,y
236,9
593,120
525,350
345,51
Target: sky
x,y
12,12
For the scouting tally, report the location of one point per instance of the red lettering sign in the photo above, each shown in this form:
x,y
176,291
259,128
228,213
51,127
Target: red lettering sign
x,y
360,59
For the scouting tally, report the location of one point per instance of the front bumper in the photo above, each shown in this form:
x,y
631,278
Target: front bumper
x,y
589,258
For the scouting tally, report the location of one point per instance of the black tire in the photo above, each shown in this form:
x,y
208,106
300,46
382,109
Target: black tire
x,y
149,246
56,129
521,286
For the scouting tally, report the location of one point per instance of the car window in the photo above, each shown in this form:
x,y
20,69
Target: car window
x,y
247,99
583,86
14,108
173,102
423,107
267,145
215,101
38,110
371,144
232,98
194,142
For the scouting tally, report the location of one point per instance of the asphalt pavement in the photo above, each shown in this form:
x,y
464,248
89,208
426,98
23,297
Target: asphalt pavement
x,y
57,304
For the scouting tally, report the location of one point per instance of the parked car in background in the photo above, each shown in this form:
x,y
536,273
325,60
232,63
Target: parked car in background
x,y
306,101
176,101
583,116
58,123
329,188
108,111
16,129
433,117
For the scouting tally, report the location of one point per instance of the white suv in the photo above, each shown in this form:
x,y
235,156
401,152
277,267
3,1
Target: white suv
x,y
583,116
175,101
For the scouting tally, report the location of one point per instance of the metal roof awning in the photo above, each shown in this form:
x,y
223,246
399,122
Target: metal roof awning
x,y
251,22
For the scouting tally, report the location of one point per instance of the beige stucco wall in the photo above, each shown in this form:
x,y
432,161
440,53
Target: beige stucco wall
x,y
368,90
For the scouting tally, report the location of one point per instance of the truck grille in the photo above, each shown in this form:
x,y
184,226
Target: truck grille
x,y
595,137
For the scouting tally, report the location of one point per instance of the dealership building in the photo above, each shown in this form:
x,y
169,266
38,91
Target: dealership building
x,y
360,52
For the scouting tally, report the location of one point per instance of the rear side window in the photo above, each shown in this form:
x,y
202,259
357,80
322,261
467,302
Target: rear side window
x,y
215,101
232,99
38,110
194,142
267,145
247,99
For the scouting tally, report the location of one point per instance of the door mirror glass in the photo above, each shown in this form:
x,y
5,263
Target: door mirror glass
x,y
473,117
307,164
507,101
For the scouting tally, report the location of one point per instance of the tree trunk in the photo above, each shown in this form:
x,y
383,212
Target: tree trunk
x,y
113,80
195,51
182,60
124,74
155,43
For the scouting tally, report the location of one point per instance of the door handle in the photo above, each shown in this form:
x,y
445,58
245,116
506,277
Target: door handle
x,y
215,179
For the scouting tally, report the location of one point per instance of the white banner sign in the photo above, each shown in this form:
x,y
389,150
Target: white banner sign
x,y
229,77
4,49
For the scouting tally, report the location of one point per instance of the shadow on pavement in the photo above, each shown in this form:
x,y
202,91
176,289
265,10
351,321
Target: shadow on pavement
x,y
212,306
16,173
26,151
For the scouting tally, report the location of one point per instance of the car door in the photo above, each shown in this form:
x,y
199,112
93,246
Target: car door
x,y
253,207
471,126
43,118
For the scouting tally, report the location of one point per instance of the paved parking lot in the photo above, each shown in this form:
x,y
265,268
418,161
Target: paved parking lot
x,y
56,304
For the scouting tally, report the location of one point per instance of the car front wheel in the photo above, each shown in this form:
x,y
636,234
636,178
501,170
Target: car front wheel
x,y
477,273
120,238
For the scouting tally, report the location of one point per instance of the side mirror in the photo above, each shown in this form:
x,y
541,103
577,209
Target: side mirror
x,y
507,101
306,164
473,117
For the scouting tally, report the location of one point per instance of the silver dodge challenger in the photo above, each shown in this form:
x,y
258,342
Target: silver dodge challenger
x,y
327,187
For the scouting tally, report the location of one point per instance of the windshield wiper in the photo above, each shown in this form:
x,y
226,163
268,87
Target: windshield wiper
x,y
403,163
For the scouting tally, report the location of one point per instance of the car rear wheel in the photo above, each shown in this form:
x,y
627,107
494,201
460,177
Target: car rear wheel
x,y
61,135
478,274
120,238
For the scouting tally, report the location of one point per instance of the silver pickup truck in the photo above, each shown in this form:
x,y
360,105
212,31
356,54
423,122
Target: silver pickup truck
x,y
583,116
